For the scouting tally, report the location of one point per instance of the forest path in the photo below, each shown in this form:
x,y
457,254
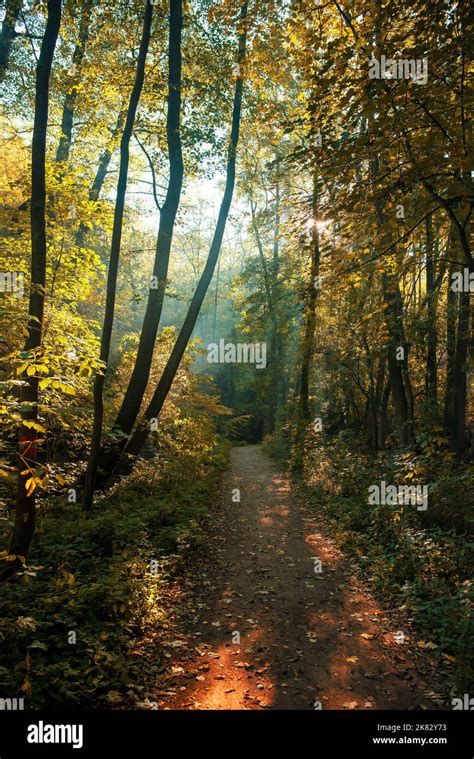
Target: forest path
x,y
305,637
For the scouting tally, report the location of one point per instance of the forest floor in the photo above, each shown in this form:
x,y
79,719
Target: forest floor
x,y
257,628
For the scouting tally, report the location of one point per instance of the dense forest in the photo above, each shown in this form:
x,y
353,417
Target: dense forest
x,y
236,277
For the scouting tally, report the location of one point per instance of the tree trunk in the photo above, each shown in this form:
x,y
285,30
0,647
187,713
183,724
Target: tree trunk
x,y
64,147
137,440
379,428
99,380
276,234
100,175
431,378
279,342
401,402
460,373
304,411
383,416
274,365
24,525
7,35
131,403
451,309
405,368
216,295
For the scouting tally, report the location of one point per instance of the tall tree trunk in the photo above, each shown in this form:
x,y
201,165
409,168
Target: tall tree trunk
x,y
131,403
380,430
99,380
279,342
405,367
216,295
24,525
276,233
7,34
304,410
64,146
396,373
383,416
375,398
371,410
451,311
274,367
137,440
460,372
431,378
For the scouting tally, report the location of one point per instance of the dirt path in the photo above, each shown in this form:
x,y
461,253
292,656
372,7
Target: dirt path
x,y
261,629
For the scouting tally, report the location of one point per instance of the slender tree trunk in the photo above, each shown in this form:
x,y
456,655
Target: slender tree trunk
x,y
371,410
451,310
137,440
379,388
7,34
405,367
67,119
398,372
263,264
64,146
460,372
403,414
216,295
24,525
375,395
279,343
99,380
431,379
99,179
383,416
131,403
304,410
274,367
276,234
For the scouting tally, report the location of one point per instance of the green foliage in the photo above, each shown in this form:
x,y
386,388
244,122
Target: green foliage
x,y
417,561
91,575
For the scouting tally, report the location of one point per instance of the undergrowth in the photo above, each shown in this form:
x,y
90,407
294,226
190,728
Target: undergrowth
x,y
97,582
419,563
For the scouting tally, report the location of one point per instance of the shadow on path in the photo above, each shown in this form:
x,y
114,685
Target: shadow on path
x,y
264,629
